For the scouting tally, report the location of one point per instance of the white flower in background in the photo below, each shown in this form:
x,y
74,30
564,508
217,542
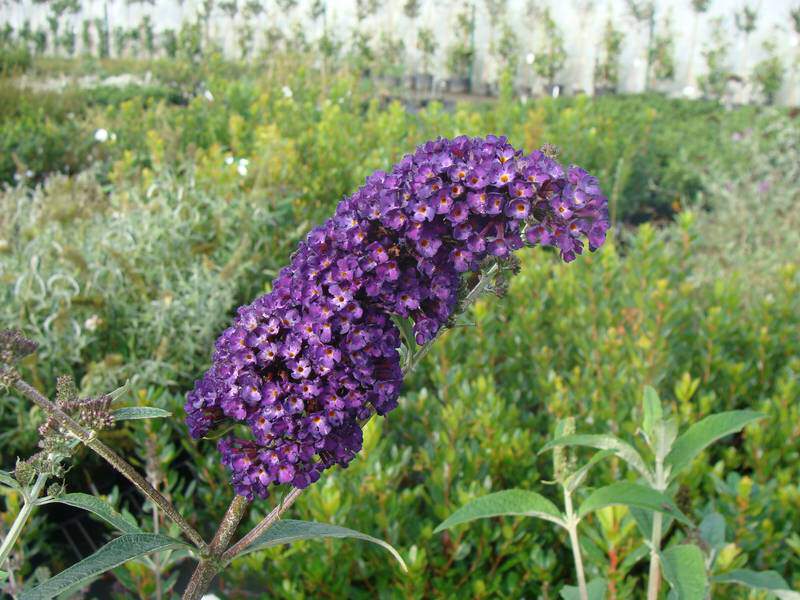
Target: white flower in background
x,y
113,137
229,160
28,173
556,91
242,167
208,95
530,57
92,322
287,91
101,135
210,597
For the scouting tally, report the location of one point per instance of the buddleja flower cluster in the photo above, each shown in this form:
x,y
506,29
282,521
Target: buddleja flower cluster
x,y
304,365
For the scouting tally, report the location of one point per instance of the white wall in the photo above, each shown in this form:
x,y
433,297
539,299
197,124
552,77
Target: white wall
x,y
582,31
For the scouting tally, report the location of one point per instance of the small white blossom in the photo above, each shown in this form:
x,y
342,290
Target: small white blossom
x,y
287,91
208,95
530,57
92,322
229,160
242,167
101,135
210,597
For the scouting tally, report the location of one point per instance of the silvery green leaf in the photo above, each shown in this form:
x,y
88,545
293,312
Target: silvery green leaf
x,y
712,530
506,503
99,507
117,393
652,411
644,521
287,531
7,479
664,433
631,494
595,589
114,553
576,479
685,569
604,442
768,581
140,412
705,432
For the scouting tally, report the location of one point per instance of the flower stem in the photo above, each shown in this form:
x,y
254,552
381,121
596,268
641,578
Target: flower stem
x,y
572,528
115,460
654,578
22,518
211,565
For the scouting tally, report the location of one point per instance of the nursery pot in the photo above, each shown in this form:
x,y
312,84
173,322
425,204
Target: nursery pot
x,y
458,85
605,90
554,90
423,82
487,89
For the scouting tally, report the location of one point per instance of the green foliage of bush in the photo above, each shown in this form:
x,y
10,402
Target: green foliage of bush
x,y
647,148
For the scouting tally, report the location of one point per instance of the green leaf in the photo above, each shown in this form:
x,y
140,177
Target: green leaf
x,y
685,569
644,521
8,480
631,494
99,507
3,575
652,411
576,479
117,393
506,503
113,554
704,433
140,412
287,531
769,581
596,590
604,442
712,530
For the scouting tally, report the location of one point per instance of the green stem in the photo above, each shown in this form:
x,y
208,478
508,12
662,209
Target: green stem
x,y
572,528
654,578
22,518
212,564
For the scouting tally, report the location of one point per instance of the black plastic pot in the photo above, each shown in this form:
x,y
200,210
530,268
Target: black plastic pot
x,y
423,82
458,85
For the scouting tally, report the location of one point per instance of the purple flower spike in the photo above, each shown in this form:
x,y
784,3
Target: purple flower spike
x,y
304,365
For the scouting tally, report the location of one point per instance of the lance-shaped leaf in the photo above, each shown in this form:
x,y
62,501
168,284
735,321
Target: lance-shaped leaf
x,y
703,433
287,531
604,442
140,412
114,553
631,494
652,411
506,503
576,479
595,590
8,480
99,507
768,581
685,569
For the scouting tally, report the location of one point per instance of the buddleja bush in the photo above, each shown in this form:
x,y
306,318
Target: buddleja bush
x,y
689,562
304,367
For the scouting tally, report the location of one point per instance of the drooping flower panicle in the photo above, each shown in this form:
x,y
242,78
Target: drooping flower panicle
x,y
304,365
